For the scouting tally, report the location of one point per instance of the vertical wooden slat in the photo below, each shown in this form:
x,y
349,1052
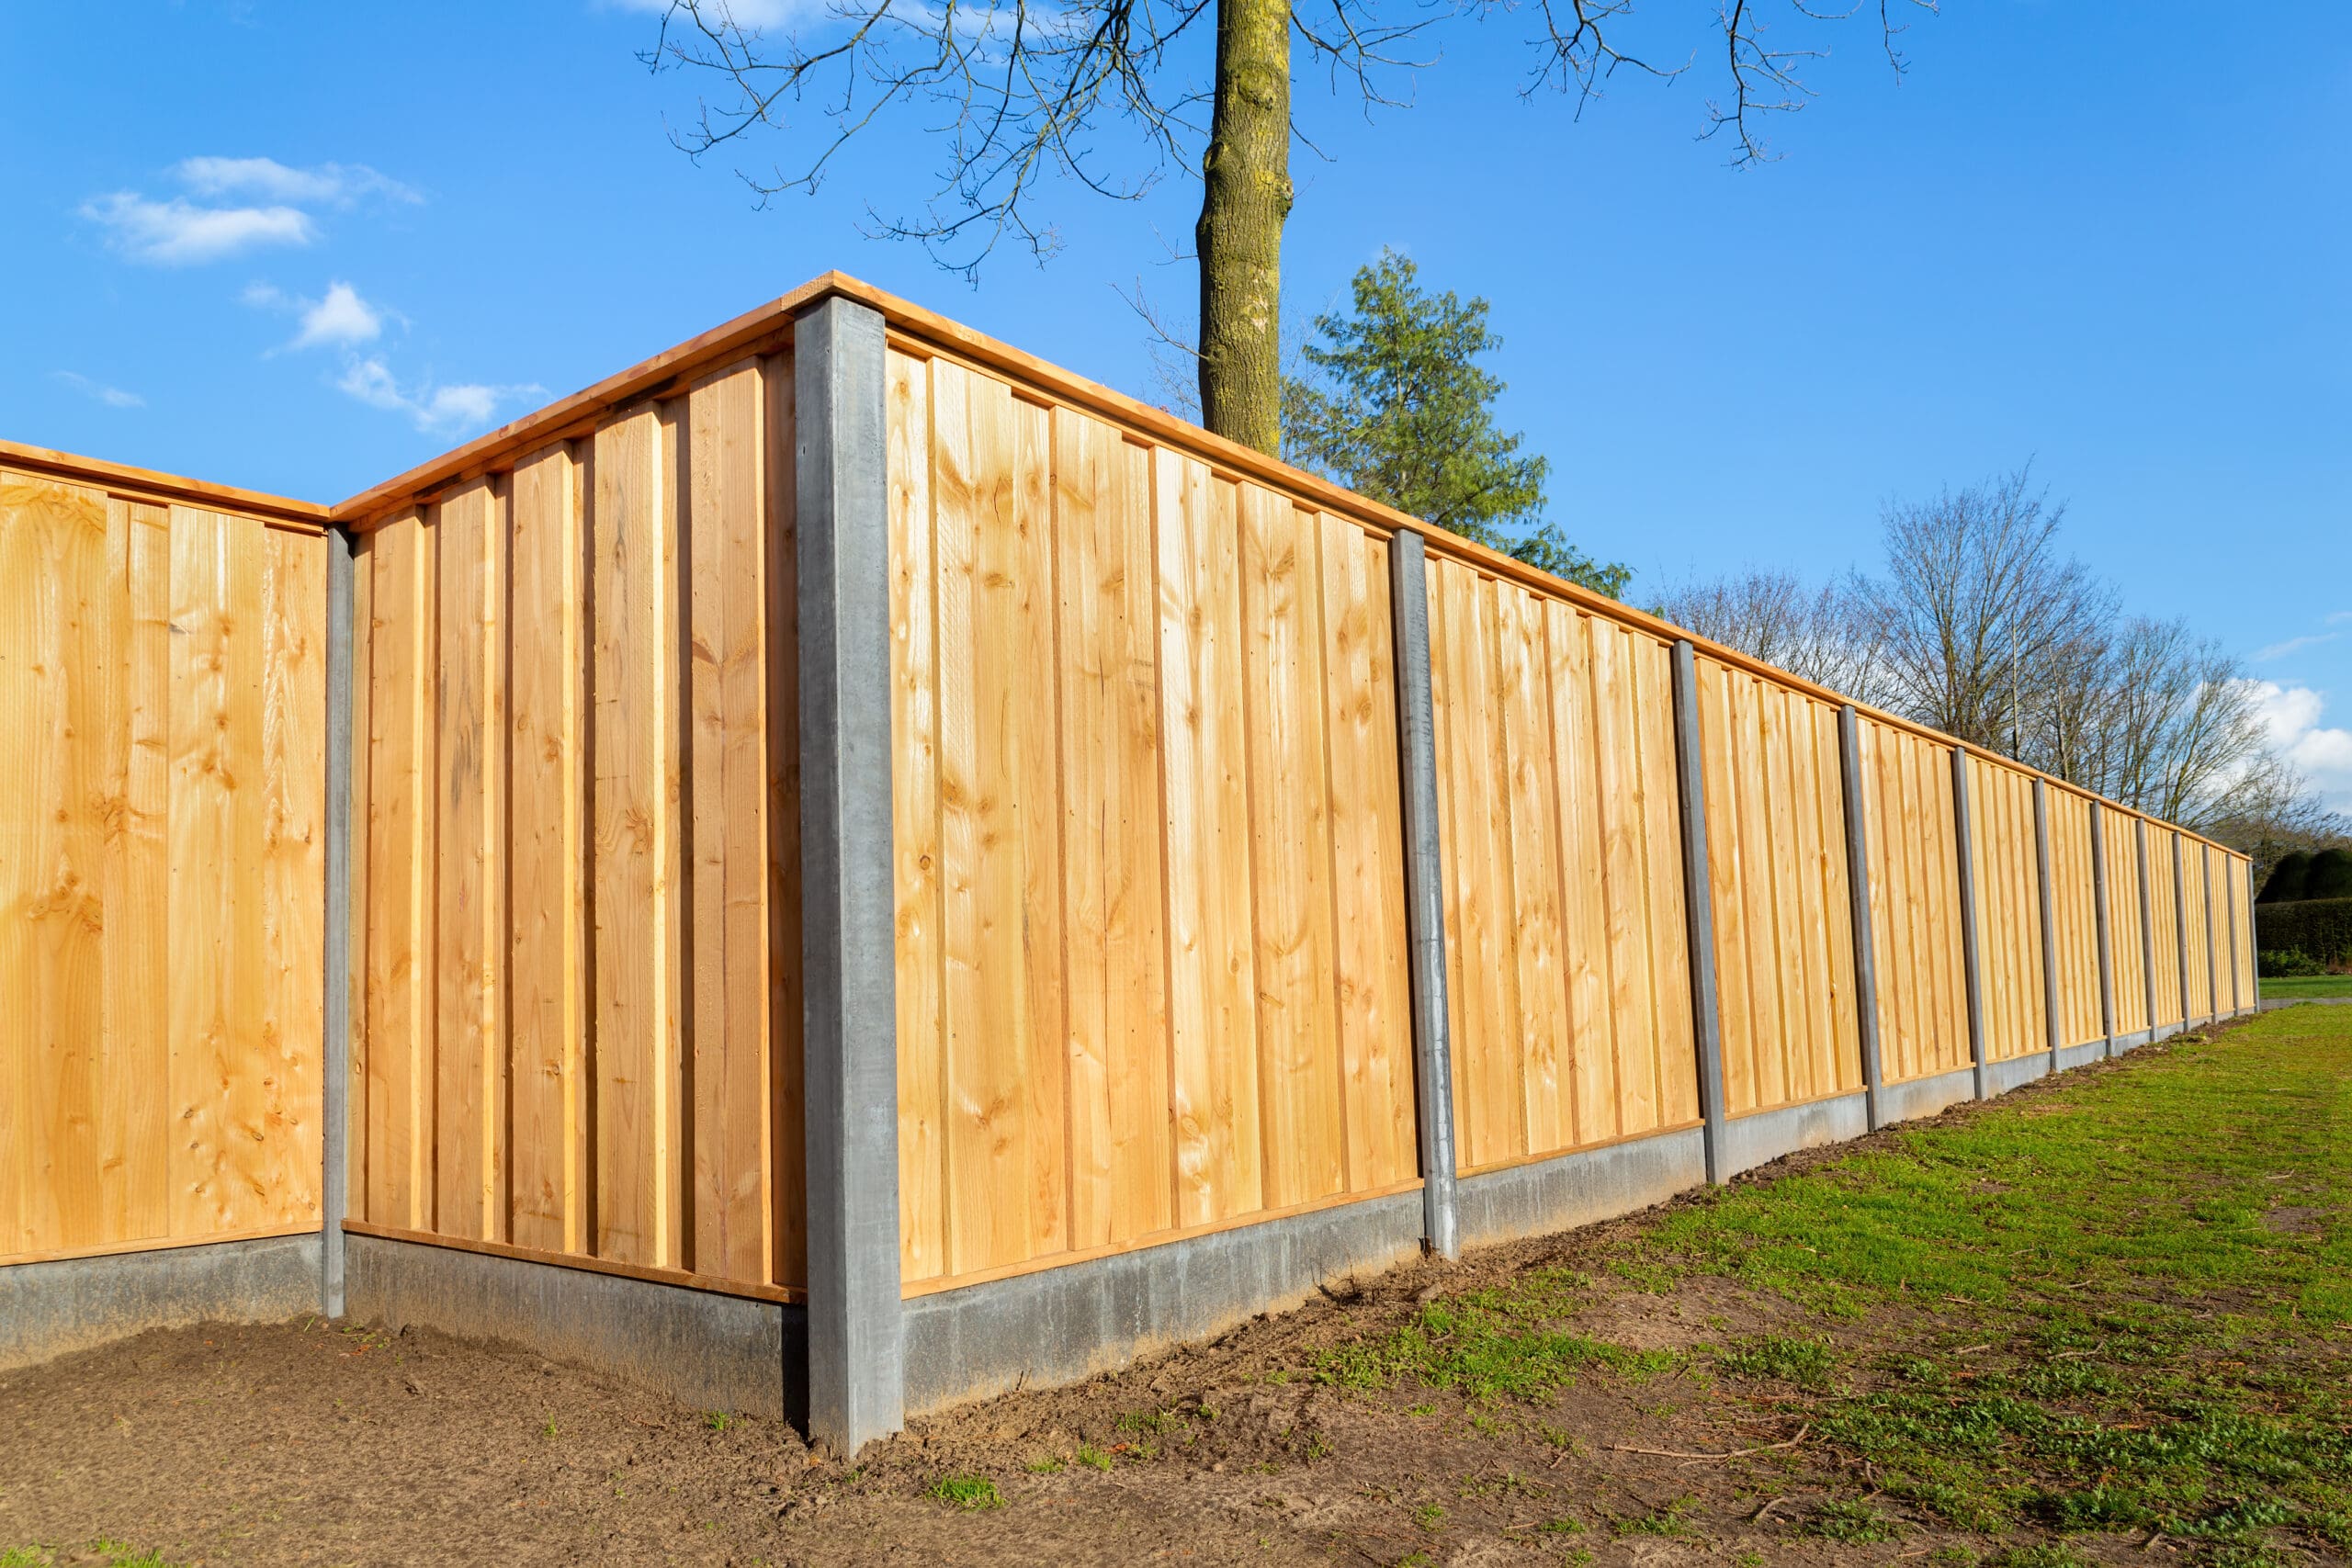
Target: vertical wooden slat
x,y
1212,957
217,957
547,857
1117,1040
1000,825
1303,1144
1530,777
1666,1093
914,821
138,1024
1606,957
292,869
400,887
471,882
1367,837
724,517
635,692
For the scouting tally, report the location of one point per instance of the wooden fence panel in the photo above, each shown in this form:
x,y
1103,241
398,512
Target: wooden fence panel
x,y
1915,902
2009,909
2241,962
578,1034
2164,902
1148,839
162,870
2197,956
2126,956
1776,845
1568,952
2074,889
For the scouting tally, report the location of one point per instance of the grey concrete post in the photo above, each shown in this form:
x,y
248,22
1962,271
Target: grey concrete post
x,y
2147,927
1857,899
334,1089
2253,942
2213,965
2052,1026
1972,970
1706,1017
856,1338
1408,593
2106,944
2180,924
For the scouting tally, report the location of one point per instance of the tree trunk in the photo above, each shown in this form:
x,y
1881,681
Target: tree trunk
x,y
1239,236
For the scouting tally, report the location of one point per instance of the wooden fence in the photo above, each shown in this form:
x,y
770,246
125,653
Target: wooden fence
x,y
1149,850
161,690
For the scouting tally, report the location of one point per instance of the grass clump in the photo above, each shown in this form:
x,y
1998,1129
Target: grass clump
x,y
1853,1522
1790,1358
970,1492
1506,1340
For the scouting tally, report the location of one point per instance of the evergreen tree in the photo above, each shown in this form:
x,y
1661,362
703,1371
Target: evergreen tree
x,y
1399,410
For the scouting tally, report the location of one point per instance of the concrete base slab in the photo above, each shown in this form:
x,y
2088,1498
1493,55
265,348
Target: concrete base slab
x,y
76,1304
2073,1056
2016,1073
711,1351
1060,1325
1765,1136
2134,1041
1919,1098
1579,1189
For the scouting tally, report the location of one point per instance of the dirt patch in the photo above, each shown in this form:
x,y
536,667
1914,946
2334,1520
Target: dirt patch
x,y
1697,1438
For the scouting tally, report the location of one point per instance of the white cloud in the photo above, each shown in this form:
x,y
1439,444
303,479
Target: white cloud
x,y
329,184
341,317
436,410
177,232
2323,752
2295,645
113,397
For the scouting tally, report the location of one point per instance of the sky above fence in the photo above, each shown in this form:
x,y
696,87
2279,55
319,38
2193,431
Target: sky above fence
x,y
299,248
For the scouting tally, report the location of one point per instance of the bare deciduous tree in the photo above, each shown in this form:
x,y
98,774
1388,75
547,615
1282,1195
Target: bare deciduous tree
x,y
1813,633
1976,593
1023,95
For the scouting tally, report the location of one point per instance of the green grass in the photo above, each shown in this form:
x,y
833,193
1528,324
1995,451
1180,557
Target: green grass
x,y
1490,1344
2123,1306
971,1493
2283,989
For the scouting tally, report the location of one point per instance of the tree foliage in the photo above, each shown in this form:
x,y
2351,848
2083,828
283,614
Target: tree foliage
x,y
1397,407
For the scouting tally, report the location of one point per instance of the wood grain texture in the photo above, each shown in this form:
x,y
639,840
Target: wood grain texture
x,y
2121,833
633,843
2008,875
1914,902
725,520
161,873
471,870
2075,897
547,796
2164,902
1784,930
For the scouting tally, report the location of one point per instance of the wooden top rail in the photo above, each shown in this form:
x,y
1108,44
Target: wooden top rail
x,y
915,330
144,484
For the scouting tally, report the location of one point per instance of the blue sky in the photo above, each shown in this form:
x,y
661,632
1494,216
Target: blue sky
x,y
2120,252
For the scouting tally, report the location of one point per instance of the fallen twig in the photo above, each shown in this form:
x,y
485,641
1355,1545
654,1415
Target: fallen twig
x,y
1758,1516
1735,1453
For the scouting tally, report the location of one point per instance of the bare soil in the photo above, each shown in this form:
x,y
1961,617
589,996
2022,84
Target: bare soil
x,y
319,1443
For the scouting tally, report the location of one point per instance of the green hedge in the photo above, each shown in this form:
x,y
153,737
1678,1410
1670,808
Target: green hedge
x,y
2321,927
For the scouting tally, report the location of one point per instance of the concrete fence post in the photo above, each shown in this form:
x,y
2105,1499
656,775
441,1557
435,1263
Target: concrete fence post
x,y
2180,928
1972,970
856,1333
2053,1026
334,1089
1424,889
2147,927
1690,790
2105,943
1858,900
2253,943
